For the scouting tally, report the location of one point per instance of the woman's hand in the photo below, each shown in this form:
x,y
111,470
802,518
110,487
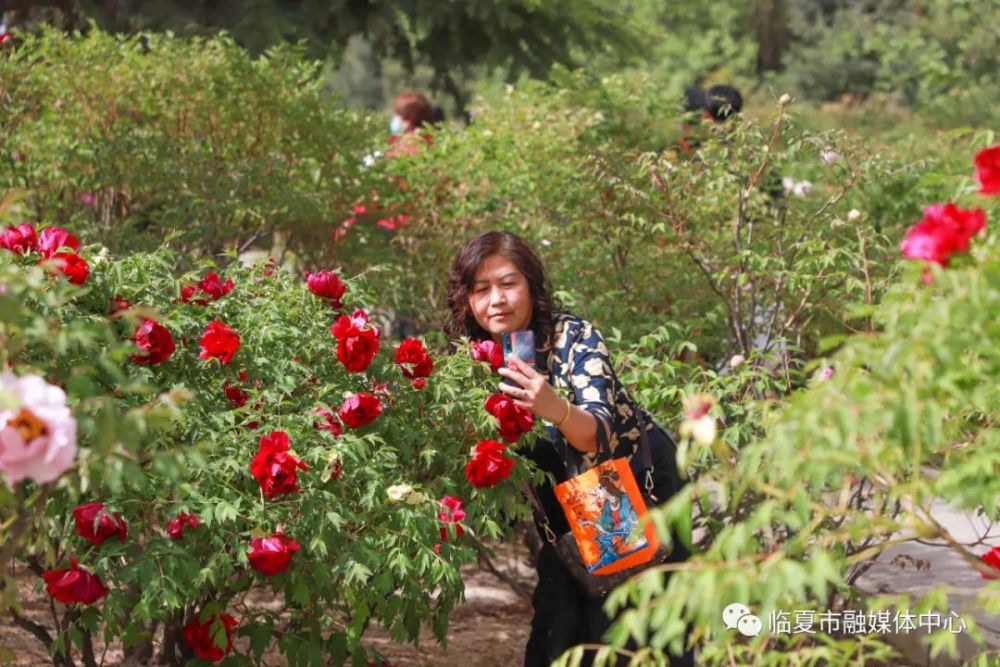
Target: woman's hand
x,y
535,392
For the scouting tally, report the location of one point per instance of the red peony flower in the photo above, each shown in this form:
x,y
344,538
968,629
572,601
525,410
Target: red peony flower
x,y
987,163
512,419
944,230
360,409
201,636
450,512
117,305
19,238
413,360
488,465
95,524
991,558
488,351
326,285
74,584
419,384
155,340
275,470
235,394
330,422
52,239
211,286
219,342
270,555
391,223
70,265
181,522
357,343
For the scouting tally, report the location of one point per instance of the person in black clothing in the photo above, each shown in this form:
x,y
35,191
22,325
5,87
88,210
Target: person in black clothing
x,y
497,284
718,104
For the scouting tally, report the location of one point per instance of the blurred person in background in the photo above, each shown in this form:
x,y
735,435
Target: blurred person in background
x,y
411,112
717,104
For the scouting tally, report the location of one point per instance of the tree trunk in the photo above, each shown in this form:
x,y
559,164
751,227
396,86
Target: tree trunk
x,y
770,28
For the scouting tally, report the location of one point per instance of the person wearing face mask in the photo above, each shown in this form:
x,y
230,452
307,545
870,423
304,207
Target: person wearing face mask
x,y
411,112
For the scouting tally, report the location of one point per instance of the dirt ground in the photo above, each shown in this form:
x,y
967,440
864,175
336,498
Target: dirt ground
x,y
489,629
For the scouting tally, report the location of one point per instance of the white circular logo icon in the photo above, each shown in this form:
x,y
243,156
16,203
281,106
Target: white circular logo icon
x,y
748,625
738,617
731,614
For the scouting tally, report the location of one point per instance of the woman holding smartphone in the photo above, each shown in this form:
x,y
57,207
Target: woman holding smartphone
x,y
497,285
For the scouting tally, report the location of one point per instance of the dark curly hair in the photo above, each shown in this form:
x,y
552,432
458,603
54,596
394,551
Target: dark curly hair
x,y
463,272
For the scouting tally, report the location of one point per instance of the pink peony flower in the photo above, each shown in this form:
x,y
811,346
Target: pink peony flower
x,y
37,430
450,512
944,231
53,239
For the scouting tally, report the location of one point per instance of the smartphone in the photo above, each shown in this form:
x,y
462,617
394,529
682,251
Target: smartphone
x,y
520,344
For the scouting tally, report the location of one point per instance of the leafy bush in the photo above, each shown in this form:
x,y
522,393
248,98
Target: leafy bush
x,y
134,140
796,499
177,433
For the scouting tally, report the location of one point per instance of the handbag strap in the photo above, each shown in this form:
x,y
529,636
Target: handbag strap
x,y
605,453
539,512
646,453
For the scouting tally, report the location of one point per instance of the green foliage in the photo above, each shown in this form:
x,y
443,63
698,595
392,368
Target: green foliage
x,y
520,36
633,231
927,51
844,470
175,136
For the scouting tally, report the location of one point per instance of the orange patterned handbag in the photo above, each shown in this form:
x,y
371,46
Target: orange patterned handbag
x,y
604,507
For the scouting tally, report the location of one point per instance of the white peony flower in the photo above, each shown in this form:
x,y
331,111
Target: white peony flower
x,y
829,156
398,493
698,424
702,430
802,189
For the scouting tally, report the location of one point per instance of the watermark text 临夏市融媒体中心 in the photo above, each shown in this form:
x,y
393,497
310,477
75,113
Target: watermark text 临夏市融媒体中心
x,y
848,622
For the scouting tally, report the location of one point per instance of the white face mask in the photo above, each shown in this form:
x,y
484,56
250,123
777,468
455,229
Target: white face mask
x,y
396,125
